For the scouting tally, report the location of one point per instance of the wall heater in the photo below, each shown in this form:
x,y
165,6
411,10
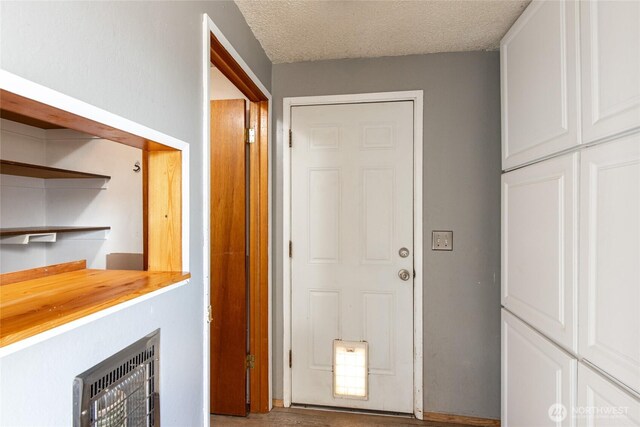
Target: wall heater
x,y
121,391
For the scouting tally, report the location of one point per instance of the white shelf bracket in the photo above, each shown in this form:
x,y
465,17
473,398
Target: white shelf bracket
x,y
25,239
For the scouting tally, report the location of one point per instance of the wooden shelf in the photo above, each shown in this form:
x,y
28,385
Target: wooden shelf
x,y
33,306
18,231
26,120
8,167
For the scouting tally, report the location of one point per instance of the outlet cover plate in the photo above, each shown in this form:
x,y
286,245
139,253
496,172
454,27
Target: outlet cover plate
x,y
442,240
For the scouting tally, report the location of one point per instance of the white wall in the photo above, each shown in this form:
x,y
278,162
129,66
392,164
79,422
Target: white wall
x,y
27,202
142,61
222,88
22,199
36,383
119,205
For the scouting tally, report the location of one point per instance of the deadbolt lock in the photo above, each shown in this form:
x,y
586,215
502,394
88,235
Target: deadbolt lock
x,y
403,252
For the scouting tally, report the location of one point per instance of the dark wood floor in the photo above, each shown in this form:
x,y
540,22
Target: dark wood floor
x,y
307,417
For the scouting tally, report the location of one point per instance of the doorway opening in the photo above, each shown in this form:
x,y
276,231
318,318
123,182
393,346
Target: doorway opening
x,y
237,173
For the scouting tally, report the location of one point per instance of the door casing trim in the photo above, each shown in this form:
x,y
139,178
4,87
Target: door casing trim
x,y
417,97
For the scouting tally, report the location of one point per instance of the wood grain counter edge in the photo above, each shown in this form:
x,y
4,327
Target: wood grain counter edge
x,y
34,307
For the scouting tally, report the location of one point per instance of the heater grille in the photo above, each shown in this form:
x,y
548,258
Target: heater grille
x,y
121,391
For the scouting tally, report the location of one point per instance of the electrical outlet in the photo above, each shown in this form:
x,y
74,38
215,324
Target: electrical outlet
x,y
442,240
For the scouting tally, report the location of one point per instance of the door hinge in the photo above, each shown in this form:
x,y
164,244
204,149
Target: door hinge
x,y
250,361
250,135
209,314
290,359
290,249
290,138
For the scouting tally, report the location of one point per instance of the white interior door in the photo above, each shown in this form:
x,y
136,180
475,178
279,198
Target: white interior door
x,y
352,212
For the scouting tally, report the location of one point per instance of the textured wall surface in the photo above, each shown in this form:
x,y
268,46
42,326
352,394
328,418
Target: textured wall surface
x,y
461,193
142,61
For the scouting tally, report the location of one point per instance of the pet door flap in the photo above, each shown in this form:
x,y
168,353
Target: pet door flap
x,y
351,369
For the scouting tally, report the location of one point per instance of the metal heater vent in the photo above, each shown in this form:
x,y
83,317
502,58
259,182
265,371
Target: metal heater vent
x,y
121,391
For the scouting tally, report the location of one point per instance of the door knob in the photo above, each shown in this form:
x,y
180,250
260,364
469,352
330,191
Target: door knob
x,y
404,275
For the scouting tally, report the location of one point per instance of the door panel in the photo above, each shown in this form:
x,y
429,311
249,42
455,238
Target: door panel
x,y
610,67
228,334
603,403
539,248
538,62
377,215
536,376
610,255
228,259
352,210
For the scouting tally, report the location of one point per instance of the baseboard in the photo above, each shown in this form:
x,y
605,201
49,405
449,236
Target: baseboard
x,y
461,419
278,403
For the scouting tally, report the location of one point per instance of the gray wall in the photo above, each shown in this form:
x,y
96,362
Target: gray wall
x,y
142,61
461,193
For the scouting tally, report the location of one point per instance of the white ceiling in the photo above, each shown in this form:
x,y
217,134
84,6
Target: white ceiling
x,y
310,30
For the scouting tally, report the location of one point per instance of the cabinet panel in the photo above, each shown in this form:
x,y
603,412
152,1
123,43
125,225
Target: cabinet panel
x,y
539,248
538,378
601,403
610,258
610,65
539,84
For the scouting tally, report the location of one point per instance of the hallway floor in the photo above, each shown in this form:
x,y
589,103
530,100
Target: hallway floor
x,y
279,417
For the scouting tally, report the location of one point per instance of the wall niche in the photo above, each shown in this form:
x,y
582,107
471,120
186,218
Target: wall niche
x,y
90,212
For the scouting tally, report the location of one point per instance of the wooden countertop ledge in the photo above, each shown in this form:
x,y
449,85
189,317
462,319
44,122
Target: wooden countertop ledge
x,y
29,307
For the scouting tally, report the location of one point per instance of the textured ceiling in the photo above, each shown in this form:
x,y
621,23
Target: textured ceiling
x,y
310,30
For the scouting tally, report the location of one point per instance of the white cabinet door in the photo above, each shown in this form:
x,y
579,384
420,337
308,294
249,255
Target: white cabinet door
x,y
539,248
538,378
610,40
539,83
601,403
610,258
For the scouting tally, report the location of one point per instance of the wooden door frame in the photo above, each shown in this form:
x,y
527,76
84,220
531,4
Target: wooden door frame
x,y
217,49
417,97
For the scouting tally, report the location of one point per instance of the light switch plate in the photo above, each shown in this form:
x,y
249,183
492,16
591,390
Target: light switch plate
x,y
442,240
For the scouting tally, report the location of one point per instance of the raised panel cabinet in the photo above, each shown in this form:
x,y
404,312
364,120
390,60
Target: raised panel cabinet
x,y
539,84
610,44
610,258
538,378
539,248
601,403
